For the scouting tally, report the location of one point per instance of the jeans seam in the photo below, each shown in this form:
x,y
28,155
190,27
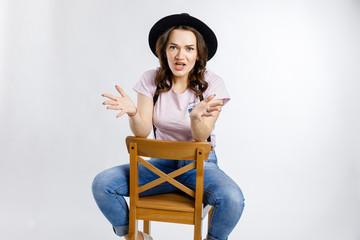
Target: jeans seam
x,y
213,213
119,199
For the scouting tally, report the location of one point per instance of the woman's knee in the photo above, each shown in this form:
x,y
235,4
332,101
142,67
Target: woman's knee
x,y
99,185
235,199
112,181
229,197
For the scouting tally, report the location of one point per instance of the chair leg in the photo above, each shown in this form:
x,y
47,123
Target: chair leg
x,y
147,227
133,229
197,231
209,215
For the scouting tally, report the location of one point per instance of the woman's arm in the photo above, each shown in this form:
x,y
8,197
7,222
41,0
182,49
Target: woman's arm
x,y
203,117
141,123
140,118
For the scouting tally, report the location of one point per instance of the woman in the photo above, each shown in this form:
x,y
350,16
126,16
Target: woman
x,y
183,101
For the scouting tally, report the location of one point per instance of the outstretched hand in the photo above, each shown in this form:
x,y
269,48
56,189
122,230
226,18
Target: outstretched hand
x,y
206,108
123,103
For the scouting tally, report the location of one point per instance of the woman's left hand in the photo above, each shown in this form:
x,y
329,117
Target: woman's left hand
x,y
205,108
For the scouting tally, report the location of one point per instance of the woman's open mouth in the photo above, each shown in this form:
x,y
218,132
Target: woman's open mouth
x,y
179,66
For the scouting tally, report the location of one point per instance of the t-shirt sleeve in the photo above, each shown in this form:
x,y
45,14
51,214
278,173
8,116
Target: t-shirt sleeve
x,y
146,85
216,86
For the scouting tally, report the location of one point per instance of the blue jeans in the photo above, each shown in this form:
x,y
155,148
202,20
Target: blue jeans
x,y
220,191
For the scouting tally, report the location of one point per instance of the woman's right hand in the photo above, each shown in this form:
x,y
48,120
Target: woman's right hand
x,y
123,103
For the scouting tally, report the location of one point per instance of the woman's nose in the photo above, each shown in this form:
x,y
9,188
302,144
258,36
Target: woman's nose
x,y
180,54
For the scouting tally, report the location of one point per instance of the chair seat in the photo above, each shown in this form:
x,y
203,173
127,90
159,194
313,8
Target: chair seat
x,y
168,201
168,207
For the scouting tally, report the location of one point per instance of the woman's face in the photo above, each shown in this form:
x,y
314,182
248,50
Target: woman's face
x,y
181,53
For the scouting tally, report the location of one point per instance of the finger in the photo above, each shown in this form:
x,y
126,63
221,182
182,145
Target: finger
x,y
209,98
213,109
120,114
215,104
120,90
112,97
208,114
114,107
111,103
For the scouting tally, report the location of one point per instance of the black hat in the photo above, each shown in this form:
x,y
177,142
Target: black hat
x,y
183,19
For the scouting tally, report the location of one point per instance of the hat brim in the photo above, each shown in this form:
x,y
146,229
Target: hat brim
x,y
161,26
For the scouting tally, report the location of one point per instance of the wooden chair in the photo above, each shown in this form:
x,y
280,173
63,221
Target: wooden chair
x,y
187,207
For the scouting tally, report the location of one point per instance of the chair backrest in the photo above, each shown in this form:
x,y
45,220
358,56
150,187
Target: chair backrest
x,y
172,150
175,150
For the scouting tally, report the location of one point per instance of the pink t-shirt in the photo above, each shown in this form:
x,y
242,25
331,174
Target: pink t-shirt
x,y
172,110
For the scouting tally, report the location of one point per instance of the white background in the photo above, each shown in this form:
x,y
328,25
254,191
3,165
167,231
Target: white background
x,y
289,137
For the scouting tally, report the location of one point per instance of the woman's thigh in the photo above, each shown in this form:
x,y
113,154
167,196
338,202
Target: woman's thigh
x,y
217,184
116,179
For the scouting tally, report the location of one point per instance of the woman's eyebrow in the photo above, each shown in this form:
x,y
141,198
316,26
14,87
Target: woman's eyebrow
x,y
189,45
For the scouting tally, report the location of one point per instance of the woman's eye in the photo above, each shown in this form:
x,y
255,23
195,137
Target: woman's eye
x,y
172,47
191,49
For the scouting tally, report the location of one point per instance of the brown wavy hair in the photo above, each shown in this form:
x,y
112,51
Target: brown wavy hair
x,y
196,80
